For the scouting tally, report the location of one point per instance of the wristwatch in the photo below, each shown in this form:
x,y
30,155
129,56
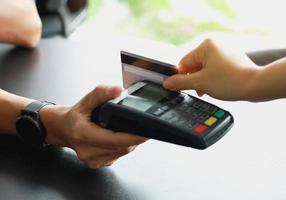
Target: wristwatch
x,y
29,126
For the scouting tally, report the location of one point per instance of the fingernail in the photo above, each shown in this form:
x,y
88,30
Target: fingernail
x,y
109,90
200,94
113,91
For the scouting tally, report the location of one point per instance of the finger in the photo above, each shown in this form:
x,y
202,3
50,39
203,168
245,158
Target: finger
x,y
110,163
192,62
99,95
200,93
112,155
85,153
183,82
95,164
101,137
105,160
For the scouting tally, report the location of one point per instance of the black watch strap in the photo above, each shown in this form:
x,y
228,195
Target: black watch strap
x,y
35,107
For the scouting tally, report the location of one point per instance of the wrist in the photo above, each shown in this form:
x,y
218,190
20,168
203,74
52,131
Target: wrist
x,y
252,84
270,82
53,118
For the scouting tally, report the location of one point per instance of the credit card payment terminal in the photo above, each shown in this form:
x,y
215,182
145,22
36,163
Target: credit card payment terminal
x,y
146,109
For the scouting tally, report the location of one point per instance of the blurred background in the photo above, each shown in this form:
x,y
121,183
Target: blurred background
x,y
181,21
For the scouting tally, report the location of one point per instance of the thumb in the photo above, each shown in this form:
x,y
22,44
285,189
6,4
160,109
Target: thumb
x,y
183,81
99,95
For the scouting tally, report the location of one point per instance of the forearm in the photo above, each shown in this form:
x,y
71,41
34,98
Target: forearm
x,y
20,23
10,107
269,82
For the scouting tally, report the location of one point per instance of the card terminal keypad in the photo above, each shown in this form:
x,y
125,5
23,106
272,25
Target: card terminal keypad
x,y
191,113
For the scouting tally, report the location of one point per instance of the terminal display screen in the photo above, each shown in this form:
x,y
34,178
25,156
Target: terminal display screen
x,y
145,98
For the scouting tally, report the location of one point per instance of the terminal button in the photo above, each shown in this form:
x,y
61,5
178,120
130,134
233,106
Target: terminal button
x,y
190,124
219,113
195,114
183,107
177,100
200,129
197,104
165,108
168,116
190,110
204,107
158,112
211,110
203,117
210,121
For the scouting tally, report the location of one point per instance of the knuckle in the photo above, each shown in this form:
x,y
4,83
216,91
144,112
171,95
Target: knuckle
x,y
130,149
139,140
126,150
83,156
92,98
209,43
110,163
184,61
100,89
93,165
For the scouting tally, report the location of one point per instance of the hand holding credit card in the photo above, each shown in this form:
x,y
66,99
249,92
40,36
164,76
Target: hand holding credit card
x,y
146,109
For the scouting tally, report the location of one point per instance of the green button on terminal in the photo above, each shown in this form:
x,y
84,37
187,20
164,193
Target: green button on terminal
x,y
219,113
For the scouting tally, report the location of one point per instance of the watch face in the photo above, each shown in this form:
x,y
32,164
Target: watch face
x,y
29,130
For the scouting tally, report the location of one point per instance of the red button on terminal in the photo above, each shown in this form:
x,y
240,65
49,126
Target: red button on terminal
x,y
200,129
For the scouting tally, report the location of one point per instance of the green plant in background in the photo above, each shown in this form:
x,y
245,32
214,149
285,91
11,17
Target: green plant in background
x,y
147,20
94,6
223,7
142,7
207,26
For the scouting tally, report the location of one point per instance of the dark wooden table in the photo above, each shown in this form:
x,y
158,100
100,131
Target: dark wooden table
x,y
248,163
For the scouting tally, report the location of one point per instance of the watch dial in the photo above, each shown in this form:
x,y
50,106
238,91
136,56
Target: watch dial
x,y
29,130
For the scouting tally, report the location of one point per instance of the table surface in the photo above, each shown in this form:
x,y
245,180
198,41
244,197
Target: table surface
x,y
248,163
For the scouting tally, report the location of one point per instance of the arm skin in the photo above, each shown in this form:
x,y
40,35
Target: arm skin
x,y
270,82
227,74
20,23
66,126
71,127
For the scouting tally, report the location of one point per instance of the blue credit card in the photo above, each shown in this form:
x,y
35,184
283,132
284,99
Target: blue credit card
x,y
137,68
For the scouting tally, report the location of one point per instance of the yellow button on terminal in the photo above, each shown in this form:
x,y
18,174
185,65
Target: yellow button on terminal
x,y
210,121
